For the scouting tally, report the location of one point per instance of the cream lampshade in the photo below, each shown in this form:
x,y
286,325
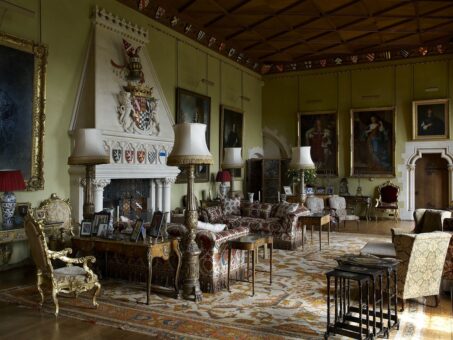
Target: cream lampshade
x,y
189,150
89,151
190,145
301,160
232,159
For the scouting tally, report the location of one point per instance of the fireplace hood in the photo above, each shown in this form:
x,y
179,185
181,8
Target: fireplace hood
x,y
119,94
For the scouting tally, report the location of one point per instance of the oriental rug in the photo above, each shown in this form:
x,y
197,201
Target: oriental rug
x,y
294,307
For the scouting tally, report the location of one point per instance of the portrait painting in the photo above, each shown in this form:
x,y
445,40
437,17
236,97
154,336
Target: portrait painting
x,y
22,84
193,107
319,130
430,119
231,131
373,142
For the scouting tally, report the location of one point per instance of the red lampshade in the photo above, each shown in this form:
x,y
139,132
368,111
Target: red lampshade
x,y
11,180
223,176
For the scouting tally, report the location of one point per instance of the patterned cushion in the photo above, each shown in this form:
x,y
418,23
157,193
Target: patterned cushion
x,y
215,214
203,215
231,206
257,210
284,209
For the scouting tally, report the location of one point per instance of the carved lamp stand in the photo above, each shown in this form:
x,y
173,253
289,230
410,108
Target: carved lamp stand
x,y
190,149
89,151
232,159
301,160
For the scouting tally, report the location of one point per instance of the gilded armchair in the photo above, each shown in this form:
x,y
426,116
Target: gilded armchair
x,y
68,279
57,212
388,199
422,259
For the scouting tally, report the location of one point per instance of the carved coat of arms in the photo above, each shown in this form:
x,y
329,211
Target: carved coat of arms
x,y
137,109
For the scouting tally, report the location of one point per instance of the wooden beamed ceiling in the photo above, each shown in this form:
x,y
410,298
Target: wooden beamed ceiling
x,y
288,35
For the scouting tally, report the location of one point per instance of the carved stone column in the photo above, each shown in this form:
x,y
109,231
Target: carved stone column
x,y
99,185
152,195
450,183
167,182
159,194
410,196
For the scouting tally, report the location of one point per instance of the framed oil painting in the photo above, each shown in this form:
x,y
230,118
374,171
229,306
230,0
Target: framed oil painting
x,y
193,107
319,130
22,90
430,119
231,131
373,142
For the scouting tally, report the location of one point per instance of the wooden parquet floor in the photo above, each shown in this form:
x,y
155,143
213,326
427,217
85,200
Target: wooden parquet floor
x,y
18,323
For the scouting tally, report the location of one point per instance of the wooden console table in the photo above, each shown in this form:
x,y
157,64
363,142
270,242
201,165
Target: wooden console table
x,y
101,247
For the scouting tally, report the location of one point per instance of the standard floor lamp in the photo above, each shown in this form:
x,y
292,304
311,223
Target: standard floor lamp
x,y
190,149
89,151
301,160
232,159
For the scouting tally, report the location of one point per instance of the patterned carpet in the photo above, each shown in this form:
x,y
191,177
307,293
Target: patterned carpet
x,y
294,307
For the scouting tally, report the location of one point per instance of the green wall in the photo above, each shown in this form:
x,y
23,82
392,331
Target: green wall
x,y
65,27
361,86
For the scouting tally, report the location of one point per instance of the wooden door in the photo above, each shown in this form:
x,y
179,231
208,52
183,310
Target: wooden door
x,y
431,182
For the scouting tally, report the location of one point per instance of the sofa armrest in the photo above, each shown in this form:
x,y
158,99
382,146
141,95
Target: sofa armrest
x,y
399,231
209,241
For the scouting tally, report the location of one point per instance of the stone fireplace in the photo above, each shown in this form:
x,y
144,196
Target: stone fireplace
x,y
132,113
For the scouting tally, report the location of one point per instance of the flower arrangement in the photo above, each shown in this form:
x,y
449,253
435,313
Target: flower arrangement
x,y
294,175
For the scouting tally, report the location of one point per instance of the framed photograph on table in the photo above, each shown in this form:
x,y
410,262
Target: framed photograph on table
x,y
193,107
20,212
103,230
373,142
137,230
287,190
319,130
85,228
156,224
231,131
430,119
22,91
102,217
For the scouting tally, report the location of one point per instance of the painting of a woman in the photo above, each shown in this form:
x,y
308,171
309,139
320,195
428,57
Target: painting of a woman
x,y
373,142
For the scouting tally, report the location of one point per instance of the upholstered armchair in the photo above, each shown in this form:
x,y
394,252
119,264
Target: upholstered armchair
x,y
68,279
340,212
314,204
388,199
422,259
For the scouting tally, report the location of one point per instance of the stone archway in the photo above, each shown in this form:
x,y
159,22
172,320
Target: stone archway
x,y
279,141
414,151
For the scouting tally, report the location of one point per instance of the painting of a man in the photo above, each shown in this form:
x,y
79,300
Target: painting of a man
x,y
319,131
431,119
232,121
16,101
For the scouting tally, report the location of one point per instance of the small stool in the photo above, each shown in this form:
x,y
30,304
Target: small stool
x,y
345,323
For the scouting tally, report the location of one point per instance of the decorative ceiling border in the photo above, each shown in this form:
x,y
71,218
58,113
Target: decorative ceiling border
x,y
190,30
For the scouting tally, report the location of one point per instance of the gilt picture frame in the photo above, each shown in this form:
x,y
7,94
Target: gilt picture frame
x,y
22,101
319,130
430,119
373,142
231,132
192,107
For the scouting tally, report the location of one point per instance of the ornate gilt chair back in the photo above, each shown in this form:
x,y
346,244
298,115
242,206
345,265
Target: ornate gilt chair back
x,y
58,211
38,245
388,198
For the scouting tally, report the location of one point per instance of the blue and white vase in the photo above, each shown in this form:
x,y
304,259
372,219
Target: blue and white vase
x,y
8,206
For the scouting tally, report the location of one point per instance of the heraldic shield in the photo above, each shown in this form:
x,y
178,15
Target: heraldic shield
x,y
137,110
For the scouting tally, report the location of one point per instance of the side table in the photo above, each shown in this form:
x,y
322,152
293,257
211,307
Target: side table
x,y
250,243
315,219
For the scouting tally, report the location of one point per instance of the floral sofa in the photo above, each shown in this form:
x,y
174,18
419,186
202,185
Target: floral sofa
x,y
280,220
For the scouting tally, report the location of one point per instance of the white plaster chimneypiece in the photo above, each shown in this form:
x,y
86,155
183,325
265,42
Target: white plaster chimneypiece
x,y
138,144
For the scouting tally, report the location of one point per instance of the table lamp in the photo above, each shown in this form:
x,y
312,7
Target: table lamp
x,y
89,151
232,159
301,160
10,180
190,149
223,176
